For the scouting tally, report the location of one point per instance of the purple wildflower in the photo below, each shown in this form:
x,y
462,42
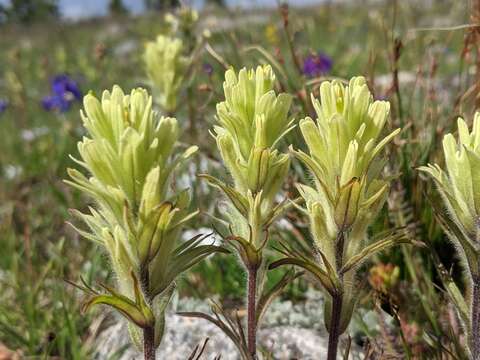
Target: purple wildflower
x,y
55,102
207,69
317,64
3,105
65,91
63,84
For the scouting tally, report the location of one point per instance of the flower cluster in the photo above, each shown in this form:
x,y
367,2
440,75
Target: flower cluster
x,y
458,185
344,145
317,64
129,156
183,20
64,91
252,121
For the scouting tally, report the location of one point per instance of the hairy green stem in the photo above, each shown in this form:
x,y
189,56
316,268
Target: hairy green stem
x,y
149,331
251,312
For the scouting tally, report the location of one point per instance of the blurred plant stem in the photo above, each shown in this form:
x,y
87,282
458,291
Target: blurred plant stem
x,y
301,91
284,13
397,50
191,110
395,57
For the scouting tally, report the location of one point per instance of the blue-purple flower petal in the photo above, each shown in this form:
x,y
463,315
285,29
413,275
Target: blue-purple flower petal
x,y
65,91
317,64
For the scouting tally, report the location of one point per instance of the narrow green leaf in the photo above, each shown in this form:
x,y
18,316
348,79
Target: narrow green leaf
x,y
372,249
124,306
238,200
315,270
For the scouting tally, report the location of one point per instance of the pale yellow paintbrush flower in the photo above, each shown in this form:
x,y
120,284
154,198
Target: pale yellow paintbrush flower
x,y
129,156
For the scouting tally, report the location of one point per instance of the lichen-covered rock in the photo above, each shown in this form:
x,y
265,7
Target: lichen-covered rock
x,y
285,342
289,330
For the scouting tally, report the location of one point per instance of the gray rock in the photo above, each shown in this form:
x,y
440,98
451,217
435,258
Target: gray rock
x,y
289,330
289,342
183,334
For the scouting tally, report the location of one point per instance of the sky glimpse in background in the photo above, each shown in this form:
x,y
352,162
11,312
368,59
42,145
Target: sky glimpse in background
x,y
78,9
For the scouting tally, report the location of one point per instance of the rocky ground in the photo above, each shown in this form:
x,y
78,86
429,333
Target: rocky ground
x,y
290,331
183,334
